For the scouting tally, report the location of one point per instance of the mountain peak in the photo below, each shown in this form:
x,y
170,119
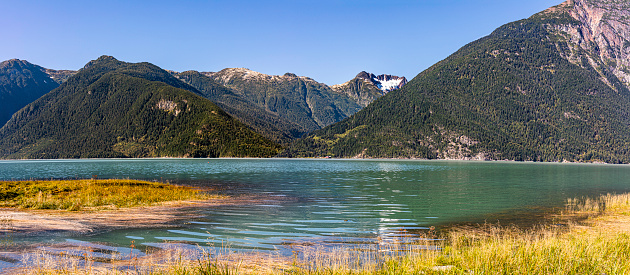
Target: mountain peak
x,y
367,87
16,63
21,82
103,59
106,58
384,82
365,75
227,74
491,98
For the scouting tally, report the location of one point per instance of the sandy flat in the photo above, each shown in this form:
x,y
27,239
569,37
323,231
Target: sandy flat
x,y
20,222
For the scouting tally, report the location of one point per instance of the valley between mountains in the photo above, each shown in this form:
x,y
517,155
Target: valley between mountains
x,y
553,87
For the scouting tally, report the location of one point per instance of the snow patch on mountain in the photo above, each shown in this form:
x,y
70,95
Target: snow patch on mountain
x,y
389,85
384,82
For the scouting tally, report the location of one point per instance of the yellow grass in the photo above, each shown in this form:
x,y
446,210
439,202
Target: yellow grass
x,y
597,244
80,194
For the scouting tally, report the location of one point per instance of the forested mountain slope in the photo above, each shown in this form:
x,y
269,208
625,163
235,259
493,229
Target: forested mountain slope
x,y
116,109
21,83
299,100
541,89
267,123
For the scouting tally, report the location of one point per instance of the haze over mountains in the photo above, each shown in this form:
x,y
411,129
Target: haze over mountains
x,y
553,87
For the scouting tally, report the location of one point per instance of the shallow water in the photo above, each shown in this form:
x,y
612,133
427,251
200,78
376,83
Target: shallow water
x,y
332,202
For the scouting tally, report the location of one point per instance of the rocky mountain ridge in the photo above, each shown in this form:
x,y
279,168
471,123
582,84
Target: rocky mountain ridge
x,y
599,37
298,99
367,87
384,82
227,74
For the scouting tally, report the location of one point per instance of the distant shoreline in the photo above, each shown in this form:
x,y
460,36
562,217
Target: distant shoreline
x,y
320,158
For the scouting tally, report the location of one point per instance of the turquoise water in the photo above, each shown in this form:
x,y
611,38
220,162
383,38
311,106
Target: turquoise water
x,y
337,201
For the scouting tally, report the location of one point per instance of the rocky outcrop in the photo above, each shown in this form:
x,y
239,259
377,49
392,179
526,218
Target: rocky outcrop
x,y
598,37
384,82
367,87
60,76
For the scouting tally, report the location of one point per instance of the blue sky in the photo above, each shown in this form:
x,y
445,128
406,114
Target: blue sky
x,y
330,41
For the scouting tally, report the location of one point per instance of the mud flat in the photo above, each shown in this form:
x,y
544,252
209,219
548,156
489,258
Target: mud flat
x,y
29,222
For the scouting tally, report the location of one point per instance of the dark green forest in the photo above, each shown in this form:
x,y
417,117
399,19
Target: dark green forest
x,y
116,109
305,102
510,95
267,123
20,84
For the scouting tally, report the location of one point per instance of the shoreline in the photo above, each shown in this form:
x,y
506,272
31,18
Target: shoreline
x,y
586,228
37,223
339,159
602,221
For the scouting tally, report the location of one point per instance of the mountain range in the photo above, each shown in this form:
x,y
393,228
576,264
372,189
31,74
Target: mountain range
x,y
57,124
112,108
302,100
552,87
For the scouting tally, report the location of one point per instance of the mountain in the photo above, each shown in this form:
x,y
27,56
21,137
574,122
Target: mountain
x,y
384,82
552,87
267,123
21,83
367,87
297,99
116,109
60,76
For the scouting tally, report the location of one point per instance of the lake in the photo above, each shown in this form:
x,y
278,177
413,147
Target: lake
x,y
336,201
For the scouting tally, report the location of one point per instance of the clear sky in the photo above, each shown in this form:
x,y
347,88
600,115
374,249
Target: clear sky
x,y
328,40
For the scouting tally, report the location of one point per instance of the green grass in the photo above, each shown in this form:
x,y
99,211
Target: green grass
x,y
82,194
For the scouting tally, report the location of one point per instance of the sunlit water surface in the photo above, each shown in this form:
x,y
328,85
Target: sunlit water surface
x,y
333,202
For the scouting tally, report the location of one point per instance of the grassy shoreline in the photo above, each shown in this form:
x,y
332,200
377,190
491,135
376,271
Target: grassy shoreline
x,y
591,236
92,194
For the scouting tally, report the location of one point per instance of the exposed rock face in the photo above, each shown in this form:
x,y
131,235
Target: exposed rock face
x,y
552,87
598,37
384,82
367,87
